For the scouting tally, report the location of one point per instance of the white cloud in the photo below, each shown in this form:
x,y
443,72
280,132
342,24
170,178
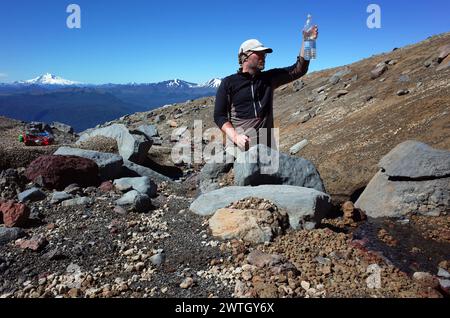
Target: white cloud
x,y
3,75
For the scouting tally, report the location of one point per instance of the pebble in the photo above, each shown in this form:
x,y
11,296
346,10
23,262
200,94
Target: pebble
x,y
188,282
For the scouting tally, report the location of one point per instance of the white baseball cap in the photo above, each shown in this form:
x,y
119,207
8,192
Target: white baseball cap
x,y
253,45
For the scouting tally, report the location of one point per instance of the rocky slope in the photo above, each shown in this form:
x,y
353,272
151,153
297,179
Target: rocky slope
x,y
81,242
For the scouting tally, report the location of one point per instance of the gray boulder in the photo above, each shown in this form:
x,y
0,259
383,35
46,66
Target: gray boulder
x,y
132,146
110,165
131,169
138,201
305,207
338,75
31,195
143,185
149,130
413,178
262,165
62,127
10,234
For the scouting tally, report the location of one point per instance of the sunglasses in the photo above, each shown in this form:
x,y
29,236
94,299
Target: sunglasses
x,y
261,54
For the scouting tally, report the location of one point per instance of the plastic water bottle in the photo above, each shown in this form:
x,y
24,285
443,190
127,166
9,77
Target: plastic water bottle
x,y
310,42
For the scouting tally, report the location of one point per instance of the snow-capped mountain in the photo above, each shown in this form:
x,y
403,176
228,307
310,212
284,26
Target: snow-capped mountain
x,y
212,83
177,83
49,79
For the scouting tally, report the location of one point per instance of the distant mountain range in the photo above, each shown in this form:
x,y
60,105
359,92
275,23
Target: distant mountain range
x,y
52,98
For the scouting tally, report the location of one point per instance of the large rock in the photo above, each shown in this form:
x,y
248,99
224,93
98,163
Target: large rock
x,y
14,214
444,64
443,51
413,178
62,127
378,71
338,75
143,185
132,146
57,172
255,226
10,234
149,130
305,207
262,165
131,169
109,165
136,200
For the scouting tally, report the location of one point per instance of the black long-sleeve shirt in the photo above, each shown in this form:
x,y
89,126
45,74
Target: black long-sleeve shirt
x,y
249,99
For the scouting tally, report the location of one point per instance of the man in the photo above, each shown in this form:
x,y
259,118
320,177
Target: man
x,y
244,101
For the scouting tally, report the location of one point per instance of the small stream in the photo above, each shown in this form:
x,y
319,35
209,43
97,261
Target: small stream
x,y
412,252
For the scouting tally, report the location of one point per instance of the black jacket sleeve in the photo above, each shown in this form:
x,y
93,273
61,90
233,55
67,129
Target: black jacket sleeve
x,y
221,107
281,76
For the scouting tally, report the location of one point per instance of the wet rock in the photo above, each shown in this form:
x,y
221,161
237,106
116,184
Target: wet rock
x,y
255,226
351,213
10,234
109,165
57,172
413,177
426,279
31,195
304,206
262,165
143,185
14,214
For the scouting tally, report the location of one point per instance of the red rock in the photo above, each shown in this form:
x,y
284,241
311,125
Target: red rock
x,y
106,187
35,243
14,214
57,172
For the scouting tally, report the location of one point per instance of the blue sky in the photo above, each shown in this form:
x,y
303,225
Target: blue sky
x,y
150,41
